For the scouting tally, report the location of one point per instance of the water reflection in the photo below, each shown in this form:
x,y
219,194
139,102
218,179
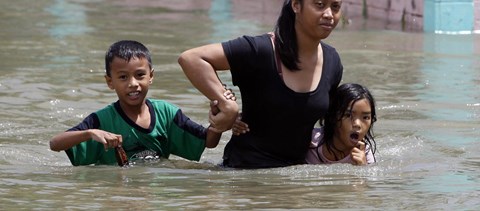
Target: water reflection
x,y
71,19
450,81
232,18
450,75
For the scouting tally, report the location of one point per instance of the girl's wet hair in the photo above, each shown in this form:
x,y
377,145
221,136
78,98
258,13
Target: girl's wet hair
x,y
285,37
126,49
339,104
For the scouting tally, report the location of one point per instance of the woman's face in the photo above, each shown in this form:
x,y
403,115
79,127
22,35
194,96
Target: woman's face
x,y
316,18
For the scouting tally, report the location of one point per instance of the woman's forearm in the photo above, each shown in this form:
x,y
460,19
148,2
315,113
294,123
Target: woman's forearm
x,y
197,64
200,66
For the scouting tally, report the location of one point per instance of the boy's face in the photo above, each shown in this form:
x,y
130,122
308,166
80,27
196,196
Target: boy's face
x,y
130,80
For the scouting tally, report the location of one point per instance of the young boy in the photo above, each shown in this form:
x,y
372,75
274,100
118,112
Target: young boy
x,y
143,127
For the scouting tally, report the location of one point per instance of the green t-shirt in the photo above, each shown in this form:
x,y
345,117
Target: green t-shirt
x,y
170,132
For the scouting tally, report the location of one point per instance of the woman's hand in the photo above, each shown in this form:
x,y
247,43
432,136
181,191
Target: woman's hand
x,y
239,127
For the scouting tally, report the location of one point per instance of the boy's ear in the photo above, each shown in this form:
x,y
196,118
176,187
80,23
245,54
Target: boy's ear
x,y
151,76
108,80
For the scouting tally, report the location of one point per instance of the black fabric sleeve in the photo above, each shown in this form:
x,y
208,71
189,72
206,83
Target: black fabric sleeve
x,y
90,122
339,73
237,52
190,126
246,55
335,64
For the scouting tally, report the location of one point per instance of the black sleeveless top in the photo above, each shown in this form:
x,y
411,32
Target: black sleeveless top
x,y
280,119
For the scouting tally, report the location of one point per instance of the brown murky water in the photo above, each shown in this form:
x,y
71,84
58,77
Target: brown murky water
x,y
427,89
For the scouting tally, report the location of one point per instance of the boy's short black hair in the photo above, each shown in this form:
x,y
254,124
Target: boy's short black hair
x,y
126,49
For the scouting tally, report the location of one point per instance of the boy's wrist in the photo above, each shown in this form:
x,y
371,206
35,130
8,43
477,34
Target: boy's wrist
x,y
214,130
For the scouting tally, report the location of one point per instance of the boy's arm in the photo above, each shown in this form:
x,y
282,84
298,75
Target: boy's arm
x,y
213,137
213,134
67,140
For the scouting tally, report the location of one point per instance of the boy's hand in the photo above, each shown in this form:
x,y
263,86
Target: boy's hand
x,y
109,140
217,121
214,110
358,154
239,127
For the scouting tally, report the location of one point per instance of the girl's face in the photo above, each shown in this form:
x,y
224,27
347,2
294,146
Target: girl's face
x,y
353,126
316,18
130,80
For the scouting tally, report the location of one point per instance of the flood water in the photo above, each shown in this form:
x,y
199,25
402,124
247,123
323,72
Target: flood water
x,y
427,88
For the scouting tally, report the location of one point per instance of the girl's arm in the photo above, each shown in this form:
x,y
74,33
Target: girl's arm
x,y
67,140
200,66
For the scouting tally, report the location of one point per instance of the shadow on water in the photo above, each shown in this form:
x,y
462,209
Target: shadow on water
x,y
426,87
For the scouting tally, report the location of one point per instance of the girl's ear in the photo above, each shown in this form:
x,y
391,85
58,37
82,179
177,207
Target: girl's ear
x,y
108,80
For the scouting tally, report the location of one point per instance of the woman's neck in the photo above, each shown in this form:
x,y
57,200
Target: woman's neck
x,y
307,46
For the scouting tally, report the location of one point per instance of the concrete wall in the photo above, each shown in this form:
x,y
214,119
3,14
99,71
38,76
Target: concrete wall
x,y
476,9
389,14
408,15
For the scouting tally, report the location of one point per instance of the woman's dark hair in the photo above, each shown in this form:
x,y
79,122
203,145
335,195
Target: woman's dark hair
x,y
339,104
285,38
126,49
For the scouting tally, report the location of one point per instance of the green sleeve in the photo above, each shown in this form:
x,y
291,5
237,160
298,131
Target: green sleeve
x,y
185,144
185,138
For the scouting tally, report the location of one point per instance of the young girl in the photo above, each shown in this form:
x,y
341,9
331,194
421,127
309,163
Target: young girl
x,y
346,135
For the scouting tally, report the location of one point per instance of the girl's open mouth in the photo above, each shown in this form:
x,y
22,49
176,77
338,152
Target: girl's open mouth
x,y
354,136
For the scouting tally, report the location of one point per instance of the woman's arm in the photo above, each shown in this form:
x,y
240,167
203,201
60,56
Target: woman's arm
x,y
200,65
